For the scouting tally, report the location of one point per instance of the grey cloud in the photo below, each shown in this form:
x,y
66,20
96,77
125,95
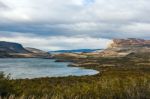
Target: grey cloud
x,y
100,18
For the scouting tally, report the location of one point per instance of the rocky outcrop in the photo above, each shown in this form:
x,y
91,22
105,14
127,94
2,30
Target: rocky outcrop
x,y
131,42
123,47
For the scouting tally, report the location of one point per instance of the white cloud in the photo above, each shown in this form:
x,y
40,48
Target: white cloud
x,y
95,18
75,10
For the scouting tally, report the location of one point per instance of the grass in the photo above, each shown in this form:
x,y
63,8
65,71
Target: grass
x,y
127,78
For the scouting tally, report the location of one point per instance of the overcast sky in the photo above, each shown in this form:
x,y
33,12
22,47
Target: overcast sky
x,y
73,24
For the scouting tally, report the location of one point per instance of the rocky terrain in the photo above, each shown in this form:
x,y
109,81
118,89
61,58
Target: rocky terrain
x,y
123,47
131,42
15,50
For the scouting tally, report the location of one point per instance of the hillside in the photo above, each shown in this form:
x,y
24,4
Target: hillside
x,y
34,50
38,52
9,49
123,47
131,42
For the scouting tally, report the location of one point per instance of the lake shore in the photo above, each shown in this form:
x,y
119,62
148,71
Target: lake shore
x,y
122,78
124,74
30,68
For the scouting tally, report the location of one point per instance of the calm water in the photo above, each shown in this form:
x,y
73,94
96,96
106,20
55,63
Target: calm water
x,y
34,68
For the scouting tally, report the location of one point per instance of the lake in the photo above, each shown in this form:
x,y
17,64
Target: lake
x,y
21,68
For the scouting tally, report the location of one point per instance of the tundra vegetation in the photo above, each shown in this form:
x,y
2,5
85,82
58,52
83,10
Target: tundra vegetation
x,y
119,78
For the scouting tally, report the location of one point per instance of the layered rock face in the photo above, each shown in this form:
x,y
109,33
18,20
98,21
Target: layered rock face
x,y
131,42
123,47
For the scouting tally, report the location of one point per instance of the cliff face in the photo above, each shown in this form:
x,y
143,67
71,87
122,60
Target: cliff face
x,y
131,42
123,47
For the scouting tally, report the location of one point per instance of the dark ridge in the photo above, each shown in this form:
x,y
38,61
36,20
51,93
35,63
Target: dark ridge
x,y
10,47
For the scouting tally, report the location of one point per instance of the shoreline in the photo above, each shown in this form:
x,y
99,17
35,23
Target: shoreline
x,y
80,74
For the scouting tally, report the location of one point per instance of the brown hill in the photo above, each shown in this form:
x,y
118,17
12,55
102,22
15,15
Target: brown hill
x,y
131,42
123,47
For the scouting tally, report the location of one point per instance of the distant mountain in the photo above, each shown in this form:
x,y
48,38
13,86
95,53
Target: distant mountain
x,y
10,47
75,51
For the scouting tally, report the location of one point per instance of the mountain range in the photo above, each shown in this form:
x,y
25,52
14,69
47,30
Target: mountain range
x,y
118,47
75,51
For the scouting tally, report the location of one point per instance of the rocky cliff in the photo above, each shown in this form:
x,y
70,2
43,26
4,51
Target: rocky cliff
x,y
123,47
131,42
